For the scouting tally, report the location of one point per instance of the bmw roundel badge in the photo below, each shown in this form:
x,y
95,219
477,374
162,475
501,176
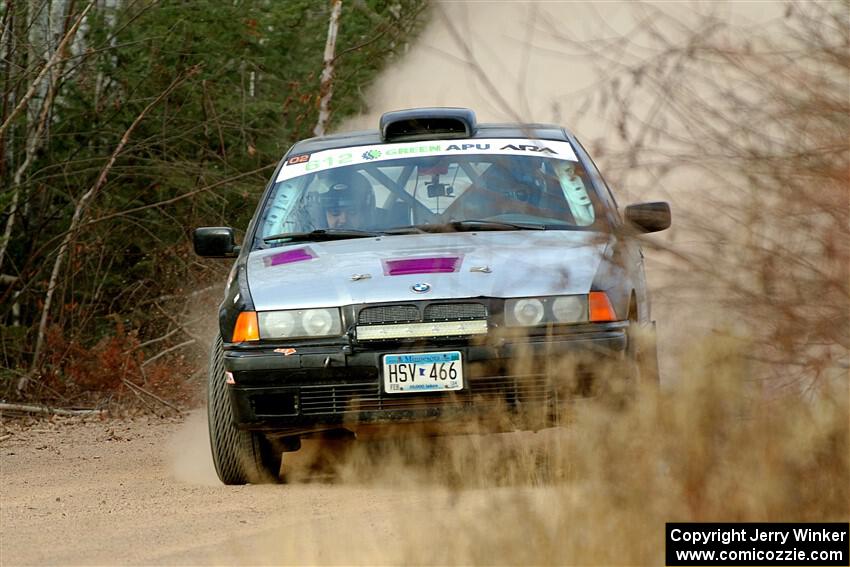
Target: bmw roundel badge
x,y
421,288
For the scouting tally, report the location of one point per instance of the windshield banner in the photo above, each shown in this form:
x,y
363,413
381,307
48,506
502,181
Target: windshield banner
x,y
328,159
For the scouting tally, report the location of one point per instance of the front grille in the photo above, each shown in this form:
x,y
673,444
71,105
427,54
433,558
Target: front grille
x,y
508,391
336,398
455,311
388,314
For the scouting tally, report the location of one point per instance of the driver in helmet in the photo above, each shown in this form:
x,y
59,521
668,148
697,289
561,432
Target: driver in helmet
x,y
349,201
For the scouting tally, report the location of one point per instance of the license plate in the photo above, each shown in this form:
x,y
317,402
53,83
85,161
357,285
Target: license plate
x,y
423,372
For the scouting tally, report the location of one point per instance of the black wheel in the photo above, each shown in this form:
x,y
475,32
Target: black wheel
x,y
239,456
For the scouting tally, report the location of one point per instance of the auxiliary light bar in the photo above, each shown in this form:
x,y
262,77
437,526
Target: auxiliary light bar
x,y
421,330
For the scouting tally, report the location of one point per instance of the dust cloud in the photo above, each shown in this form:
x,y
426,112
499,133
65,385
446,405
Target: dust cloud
x,y
518,61
512,60
189,454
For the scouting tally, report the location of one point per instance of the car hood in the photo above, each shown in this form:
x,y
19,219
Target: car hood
x,y
455,265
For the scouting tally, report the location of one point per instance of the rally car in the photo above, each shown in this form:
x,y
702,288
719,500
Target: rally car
x,y
435,271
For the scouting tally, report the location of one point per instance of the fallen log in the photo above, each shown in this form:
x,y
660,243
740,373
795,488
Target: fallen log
x,y
48,410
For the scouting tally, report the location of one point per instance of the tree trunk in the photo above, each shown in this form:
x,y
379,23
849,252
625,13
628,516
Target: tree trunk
x,y
53,61
34,135
326,89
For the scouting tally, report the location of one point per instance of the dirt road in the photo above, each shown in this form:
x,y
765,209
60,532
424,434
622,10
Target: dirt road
x,y
144,492
596,492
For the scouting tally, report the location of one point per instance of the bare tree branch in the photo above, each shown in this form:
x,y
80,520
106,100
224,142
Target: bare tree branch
x,y
166,351
79,211
150,394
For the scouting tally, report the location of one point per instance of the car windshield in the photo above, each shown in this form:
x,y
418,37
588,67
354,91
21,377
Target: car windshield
x,y
496,184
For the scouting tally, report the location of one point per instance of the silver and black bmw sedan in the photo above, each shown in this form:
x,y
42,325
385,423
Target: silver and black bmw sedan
x,y
432,273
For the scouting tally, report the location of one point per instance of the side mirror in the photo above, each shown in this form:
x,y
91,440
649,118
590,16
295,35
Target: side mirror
x,y
214,242
649,217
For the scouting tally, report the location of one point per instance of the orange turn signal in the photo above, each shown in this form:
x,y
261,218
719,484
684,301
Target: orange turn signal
x,y
600,307
246,328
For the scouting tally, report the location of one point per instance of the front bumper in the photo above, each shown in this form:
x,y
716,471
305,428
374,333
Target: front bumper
x,y
324,388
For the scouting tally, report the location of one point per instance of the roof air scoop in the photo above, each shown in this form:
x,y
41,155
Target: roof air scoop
x,y
427,124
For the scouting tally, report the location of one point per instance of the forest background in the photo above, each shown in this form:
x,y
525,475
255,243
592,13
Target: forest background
x,y
124,124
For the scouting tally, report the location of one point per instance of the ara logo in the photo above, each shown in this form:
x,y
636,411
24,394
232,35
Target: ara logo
x,y
461,147
372,154
528,148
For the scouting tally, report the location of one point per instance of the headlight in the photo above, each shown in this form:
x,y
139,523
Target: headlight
x,y
278,323
300,323
319,322
525,312
569,309
531,311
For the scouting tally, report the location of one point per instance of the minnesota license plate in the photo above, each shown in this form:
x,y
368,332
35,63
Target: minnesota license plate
x,y
423,372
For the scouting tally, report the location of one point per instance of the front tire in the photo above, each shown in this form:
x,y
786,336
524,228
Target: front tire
x,y
239,456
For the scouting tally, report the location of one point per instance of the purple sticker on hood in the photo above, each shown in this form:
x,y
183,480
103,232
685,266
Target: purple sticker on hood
x,y
421,266
290,256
